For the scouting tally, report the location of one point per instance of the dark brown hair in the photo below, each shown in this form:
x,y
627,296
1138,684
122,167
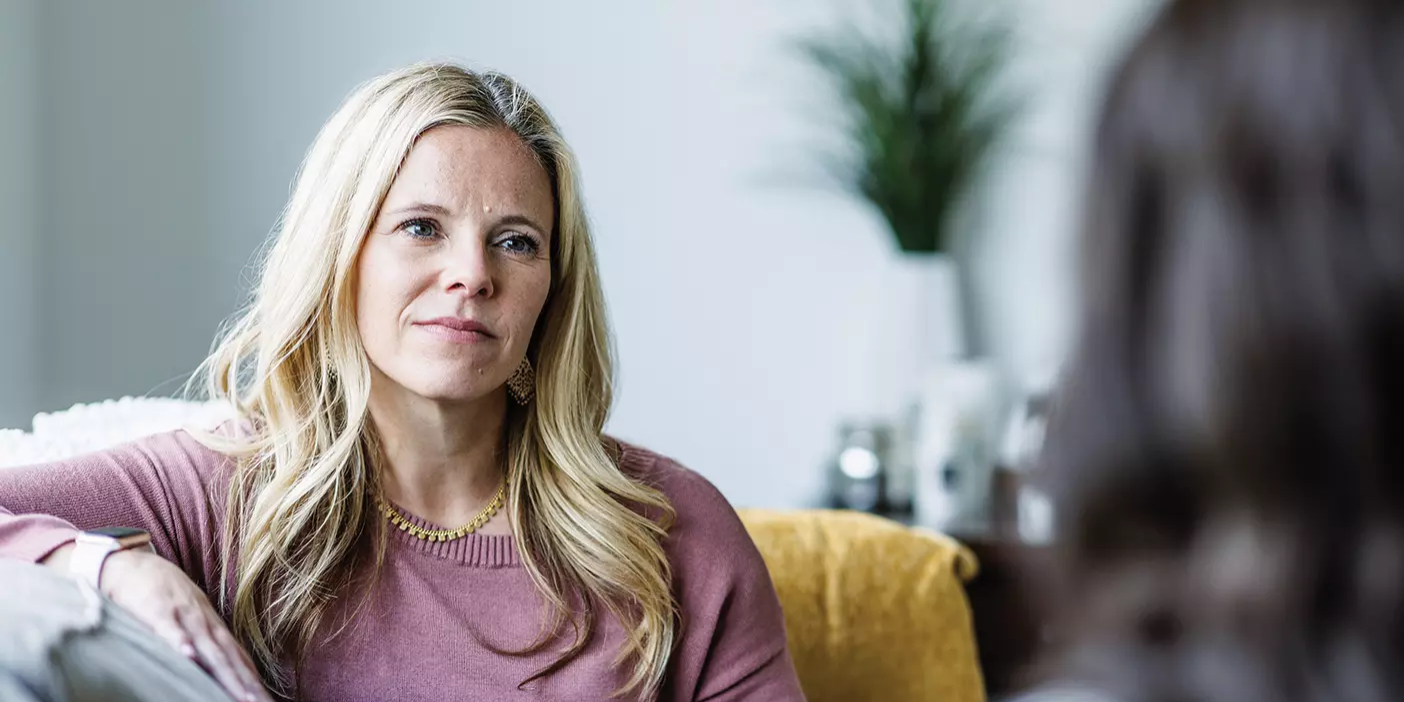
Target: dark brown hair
x,y
1227,447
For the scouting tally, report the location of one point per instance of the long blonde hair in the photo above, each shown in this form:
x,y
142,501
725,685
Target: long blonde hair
x,y
293,366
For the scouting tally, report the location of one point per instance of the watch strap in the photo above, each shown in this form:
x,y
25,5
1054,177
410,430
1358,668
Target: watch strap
x,y
91,550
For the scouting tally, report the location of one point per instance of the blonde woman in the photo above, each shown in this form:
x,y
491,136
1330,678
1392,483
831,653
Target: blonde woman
x,y
417,501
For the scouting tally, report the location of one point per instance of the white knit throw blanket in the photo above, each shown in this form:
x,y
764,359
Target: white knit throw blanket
x,y
90,427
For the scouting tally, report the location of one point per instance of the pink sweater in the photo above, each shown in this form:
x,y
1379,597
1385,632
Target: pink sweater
x,y
418,638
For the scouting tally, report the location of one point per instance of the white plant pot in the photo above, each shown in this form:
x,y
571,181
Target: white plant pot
x,y
956,435
919,326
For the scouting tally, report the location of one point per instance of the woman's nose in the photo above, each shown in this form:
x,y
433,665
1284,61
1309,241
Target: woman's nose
x,y
468,271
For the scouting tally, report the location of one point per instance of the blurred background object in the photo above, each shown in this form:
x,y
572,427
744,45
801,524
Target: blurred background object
x,y
146,148
919,110
1021,508
860,474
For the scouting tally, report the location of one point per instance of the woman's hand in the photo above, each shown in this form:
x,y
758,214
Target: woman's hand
x,y
159,595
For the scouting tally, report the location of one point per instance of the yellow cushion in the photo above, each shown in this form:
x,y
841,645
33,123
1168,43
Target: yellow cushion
x,y
874,610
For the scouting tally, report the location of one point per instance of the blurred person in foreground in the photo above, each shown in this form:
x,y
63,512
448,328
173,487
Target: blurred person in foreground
x,y
1228,450
427,346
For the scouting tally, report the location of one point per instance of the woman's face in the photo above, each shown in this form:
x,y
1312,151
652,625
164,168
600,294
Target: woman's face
x,y
456,268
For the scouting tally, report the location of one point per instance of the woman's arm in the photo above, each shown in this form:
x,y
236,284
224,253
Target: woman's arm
x,y
748,658
171,486
167,484
733,645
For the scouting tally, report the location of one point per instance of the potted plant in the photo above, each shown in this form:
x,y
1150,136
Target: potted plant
x,y
919,113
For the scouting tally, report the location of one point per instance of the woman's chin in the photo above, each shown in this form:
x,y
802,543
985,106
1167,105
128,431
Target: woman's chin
x,y
460,391
461,396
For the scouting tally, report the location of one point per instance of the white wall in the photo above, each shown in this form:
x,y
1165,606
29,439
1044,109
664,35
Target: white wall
x,y
743,306
19,209
123,265
1030,213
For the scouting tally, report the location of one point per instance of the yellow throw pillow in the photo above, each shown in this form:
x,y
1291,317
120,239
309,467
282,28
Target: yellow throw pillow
x,y
874,610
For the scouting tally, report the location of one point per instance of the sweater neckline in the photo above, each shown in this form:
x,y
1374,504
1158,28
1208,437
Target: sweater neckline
x,y
473,550
491,550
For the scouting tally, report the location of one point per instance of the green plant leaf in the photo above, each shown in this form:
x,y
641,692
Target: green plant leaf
x,y
918,118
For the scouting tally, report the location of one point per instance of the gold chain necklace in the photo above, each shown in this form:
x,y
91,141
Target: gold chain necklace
x,y
423,534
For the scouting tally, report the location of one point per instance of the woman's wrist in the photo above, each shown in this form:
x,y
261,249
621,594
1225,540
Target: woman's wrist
x,y
119,563
59,557
113,565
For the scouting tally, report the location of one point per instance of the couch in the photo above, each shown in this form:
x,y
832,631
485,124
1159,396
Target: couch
x,y
874,610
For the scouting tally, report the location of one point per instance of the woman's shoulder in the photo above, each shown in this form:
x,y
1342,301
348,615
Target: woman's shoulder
x,y
692,495
197,454
212,446
734,627
177,458
705,527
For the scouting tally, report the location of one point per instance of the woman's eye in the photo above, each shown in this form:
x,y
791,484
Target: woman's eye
x,y
519,244
419,229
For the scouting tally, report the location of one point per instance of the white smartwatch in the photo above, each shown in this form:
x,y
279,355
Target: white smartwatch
x,y
91,549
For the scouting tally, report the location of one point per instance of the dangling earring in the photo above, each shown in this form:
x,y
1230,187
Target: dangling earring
x,y
522,384
327,362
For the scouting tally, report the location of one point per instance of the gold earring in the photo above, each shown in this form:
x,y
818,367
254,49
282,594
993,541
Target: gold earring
x,y
522,384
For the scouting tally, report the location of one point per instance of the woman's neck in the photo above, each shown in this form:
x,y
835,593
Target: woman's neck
x,y
443,462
